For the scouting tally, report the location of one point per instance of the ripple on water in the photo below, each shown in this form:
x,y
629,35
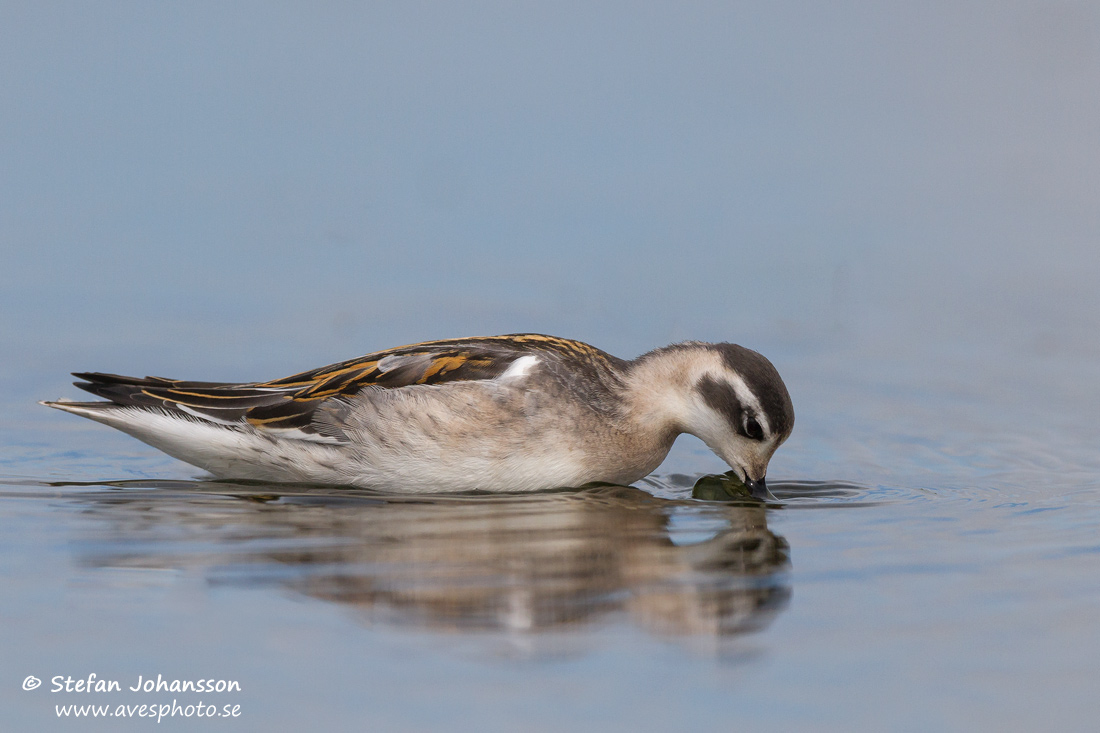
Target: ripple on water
x,y
791,494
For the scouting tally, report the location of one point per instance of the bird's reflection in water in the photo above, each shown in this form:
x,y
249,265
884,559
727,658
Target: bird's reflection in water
x,y
526,564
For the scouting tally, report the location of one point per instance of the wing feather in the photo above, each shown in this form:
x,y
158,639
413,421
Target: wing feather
x,y
291,403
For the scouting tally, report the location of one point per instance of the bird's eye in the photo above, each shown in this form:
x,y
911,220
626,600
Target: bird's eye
x,y
753,429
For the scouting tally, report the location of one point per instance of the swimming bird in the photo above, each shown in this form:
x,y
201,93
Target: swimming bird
x,y
521,412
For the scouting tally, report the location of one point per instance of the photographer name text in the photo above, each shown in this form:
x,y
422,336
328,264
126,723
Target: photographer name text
x,y
94,683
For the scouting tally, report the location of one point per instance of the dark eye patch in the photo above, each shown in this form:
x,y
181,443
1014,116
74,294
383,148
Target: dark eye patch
x,y
721,397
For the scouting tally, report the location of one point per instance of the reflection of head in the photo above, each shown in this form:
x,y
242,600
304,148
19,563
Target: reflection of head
x,y
519,563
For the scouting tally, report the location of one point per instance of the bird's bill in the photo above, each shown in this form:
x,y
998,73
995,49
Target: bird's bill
x,y
759,489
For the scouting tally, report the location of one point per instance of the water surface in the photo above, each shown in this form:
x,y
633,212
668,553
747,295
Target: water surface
x,y
896,205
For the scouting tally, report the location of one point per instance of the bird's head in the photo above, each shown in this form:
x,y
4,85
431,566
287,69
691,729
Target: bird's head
x,y
738,405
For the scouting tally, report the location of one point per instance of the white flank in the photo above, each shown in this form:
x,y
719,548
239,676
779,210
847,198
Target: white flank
x,y
203,416
239,451
297,434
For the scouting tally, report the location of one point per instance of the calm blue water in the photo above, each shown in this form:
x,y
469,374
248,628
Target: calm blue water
x,y
896,206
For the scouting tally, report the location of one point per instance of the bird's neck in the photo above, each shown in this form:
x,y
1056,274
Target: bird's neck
x,y
656,389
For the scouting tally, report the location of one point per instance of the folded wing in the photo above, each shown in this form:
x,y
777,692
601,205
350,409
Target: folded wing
x,y
289,405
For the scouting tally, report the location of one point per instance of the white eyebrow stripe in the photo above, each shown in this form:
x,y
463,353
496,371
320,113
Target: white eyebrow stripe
x,y
748,399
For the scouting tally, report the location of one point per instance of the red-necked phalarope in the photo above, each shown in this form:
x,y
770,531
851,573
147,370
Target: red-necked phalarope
x,y
522,412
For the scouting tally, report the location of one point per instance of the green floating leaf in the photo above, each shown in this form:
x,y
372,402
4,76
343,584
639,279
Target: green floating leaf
x,y
721,487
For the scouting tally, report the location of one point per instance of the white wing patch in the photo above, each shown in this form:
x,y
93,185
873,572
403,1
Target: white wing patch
x,y
519,368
